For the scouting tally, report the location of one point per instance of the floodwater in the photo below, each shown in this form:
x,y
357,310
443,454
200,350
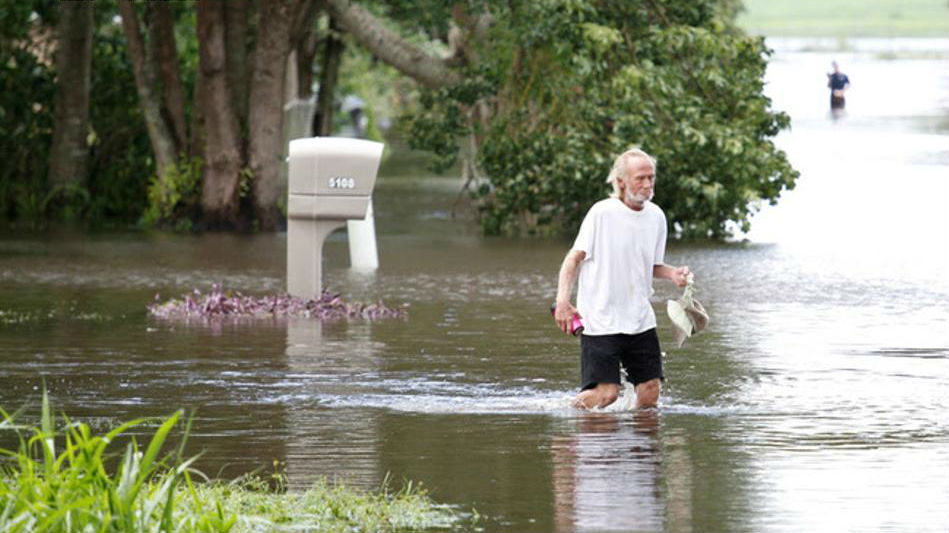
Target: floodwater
x,y
816,401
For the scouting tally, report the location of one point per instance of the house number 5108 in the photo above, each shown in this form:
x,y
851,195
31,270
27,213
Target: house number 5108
x,y
342,182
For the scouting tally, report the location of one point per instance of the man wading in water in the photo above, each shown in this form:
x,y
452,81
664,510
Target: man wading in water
x,y
838,83
619,250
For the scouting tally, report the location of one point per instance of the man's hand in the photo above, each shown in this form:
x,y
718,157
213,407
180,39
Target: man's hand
x,y
563,315
680,276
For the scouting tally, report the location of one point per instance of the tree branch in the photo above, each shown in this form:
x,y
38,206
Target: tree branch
x,y
390,47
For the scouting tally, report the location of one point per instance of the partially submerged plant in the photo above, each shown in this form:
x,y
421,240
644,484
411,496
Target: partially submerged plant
x,y
221,304
46,487
332,507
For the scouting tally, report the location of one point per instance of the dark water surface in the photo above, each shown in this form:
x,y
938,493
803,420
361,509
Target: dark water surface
x,y
817,400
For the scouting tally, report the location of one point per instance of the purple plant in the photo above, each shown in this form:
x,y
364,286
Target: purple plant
x,y
221,304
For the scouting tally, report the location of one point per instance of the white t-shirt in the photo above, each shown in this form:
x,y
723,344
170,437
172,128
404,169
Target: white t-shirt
x,y
615,282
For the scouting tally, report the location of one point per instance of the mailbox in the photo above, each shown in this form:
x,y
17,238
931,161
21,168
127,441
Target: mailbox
x,y
330,181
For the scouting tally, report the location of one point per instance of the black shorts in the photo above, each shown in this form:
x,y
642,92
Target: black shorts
x,y
601,356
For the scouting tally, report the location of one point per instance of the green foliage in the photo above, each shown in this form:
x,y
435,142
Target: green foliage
x,y
120,155
174,199
436,127
67,202
569,84
47,487
329,507
26,128
66,482
429,17
119,152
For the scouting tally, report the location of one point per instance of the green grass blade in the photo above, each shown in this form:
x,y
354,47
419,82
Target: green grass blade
x,y
158,440
110,436
50,521
48,439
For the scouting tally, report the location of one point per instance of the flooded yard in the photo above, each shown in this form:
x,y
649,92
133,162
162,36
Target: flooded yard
x,y
816,400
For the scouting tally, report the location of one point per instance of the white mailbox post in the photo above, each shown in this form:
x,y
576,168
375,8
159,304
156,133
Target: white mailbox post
x,y
330,181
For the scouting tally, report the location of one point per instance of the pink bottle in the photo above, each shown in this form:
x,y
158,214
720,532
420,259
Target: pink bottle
x,y
576,325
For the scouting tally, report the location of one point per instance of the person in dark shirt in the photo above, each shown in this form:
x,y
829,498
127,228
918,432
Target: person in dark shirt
x,y
838,82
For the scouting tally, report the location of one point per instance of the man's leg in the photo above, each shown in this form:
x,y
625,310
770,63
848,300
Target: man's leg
x,y
643,364
600,396
647,393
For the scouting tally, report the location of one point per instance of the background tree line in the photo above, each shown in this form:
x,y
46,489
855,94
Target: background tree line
x,y
172,112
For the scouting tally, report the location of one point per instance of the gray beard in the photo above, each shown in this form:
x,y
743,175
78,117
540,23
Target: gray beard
x,y
637,198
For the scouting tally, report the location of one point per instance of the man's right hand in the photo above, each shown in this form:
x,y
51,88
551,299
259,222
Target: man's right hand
x,y
563,315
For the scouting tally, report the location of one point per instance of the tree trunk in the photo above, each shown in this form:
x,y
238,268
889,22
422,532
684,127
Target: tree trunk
x,y
329,73
306,52
304,41
266,107
238,73
149,93
161,32
196,148
70,151
409,59
222,154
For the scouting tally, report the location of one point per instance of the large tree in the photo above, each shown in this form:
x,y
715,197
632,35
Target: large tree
x,y
541,95
237,109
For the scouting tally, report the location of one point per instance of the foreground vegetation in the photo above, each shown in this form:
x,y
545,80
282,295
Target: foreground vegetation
x,y
65,483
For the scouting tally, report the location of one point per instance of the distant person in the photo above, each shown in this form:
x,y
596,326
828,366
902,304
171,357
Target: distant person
x,y
837,82
619,250
353,106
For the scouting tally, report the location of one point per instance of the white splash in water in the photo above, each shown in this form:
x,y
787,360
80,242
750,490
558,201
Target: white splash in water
x,y
456,398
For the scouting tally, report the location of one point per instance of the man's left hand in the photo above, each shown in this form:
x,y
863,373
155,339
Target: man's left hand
x,y
680,276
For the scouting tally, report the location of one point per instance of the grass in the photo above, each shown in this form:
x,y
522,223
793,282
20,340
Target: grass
x,y
62,483
846,18
329,507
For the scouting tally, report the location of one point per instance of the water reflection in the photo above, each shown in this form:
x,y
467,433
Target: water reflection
x,y
606,474
330,360
837,113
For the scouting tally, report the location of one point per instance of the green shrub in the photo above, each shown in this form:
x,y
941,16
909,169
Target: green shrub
x,y
176,198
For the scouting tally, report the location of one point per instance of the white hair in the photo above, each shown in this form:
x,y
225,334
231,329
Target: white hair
x,y
620,166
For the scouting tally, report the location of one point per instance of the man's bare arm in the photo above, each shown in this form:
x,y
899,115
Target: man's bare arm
x,y
565,283
678,275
